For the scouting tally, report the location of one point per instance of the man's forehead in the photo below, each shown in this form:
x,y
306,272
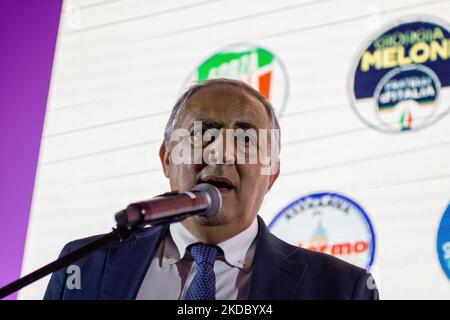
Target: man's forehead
x,y
225,103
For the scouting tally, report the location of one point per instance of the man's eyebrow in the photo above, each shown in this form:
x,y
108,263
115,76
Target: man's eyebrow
x,y
206,123
245,125
210,123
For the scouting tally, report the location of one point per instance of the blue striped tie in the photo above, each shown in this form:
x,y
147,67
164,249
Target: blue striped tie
x,y
203,286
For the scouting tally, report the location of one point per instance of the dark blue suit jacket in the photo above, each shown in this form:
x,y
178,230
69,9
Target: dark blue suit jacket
x,y
280,271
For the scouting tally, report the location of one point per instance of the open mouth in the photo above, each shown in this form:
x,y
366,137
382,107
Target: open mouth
x,y
221,183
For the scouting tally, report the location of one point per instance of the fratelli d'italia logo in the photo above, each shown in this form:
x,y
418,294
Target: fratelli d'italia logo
x,y
329,223
256,66
401,78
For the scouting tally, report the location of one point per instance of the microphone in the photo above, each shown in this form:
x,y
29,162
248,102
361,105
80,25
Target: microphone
x,y
204,200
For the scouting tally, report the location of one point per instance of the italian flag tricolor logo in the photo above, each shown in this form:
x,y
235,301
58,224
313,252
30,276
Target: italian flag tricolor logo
x,y
254,65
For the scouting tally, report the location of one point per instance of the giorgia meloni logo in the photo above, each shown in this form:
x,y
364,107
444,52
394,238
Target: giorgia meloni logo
x,y
401,77
329,223
256,66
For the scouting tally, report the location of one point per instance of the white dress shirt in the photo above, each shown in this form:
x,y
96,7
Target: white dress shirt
x,y
172,268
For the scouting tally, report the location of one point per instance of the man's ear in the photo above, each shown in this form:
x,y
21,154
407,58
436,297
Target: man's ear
x,y
164,156
273,177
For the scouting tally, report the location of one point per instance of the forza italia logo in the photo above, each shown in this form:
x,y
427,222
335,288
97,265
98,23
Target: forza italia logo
x,y
256,66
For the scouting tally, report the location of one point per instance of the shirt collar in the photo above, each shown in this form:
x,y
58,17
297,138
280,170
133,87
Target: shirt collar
x,y
238,250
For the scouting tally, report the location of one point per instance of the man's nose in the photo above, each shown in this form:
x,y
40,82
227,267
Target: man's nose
x,y
222,149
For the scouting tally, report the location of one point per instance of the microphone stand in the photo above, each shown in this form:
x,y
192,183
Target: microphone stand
x,y
125,228
118,234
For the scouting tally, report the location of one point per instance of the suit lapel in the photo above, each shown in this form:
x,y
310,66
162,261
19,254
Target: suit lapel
x,y
128,262
276,272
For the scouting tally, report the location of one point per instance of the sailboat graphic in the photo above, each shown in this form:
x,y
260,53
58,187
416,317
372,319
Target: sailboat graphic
x,y
319,238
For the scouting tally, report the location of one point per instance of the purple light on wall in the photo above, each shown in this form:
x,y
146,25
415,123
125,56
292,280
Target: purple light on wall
x,y
28,31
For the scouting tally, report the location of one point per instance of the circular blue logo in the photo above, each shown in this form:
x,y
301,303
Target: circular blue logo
x,y
443,242
329,223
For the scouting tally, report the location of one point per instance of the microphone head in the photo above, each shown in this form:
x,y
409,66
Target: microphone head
x,y
214,195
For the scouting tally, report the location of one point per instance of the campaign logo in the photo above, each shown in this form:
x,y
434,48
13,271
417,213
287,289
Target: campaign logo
x,y
329,223
443,242
401,77
256,66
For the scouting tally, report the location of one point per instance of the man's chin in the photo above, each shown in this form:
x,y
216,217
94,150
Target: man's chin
x,y
221,218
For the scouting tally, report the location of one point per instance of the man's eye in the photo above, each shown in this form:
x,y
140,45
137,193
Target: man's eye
x,y
251,141
247,140
210,135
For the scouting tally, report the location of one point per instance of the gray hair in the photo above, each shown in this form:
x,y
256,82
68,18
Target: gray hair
x,y
181,102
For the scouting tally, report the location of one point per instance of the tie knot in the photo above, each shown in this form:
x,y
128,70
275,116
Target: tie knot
x,y
204,253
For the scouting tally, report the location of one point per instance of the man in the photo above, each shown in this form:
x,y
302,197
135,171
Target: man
x,y
231,255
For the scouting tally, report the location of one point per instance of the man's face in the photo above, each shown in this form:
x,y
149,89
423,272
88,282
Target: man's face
x,y
241,184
